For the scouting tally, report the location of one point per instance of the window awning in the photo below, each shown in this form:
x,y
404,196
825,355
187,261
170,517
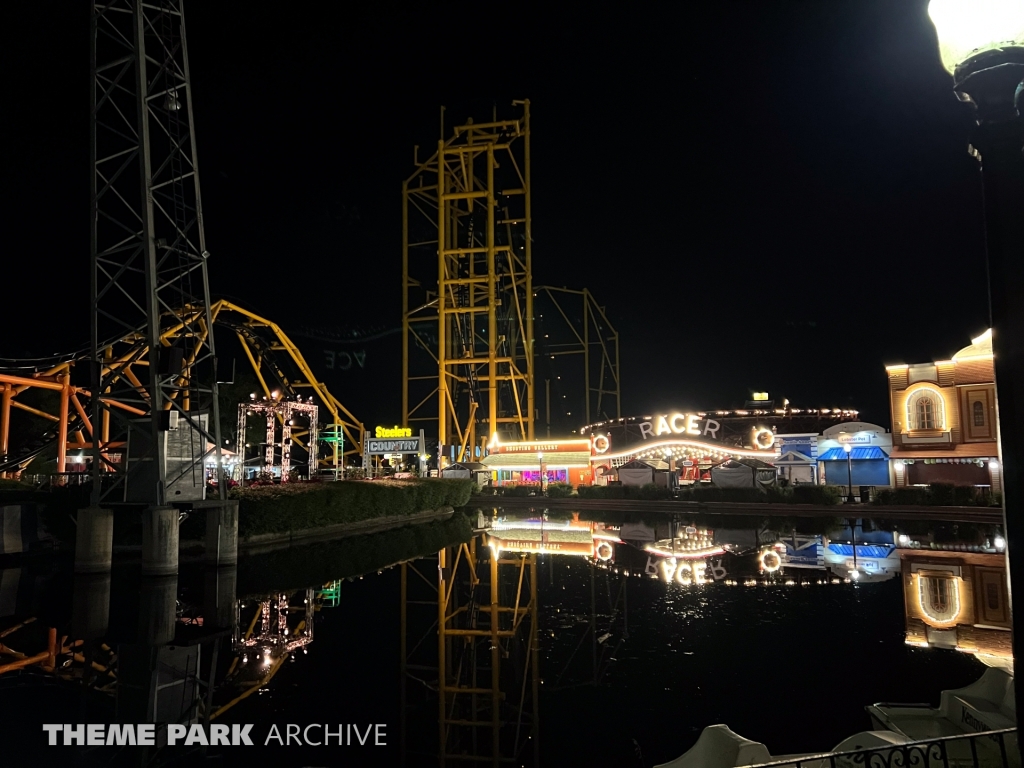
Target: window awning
x,y
870,452
863,550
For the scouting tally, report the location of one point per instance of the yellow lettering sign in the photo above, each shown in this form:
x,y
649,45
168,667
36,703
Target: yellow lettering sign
x,y
381,432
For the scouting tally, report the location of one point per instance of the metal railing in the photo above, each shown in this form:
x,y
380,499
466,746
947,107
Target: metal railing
x,y
985,749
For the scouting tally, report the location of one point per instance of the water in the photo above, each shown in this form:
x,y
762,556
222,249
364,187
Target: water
x,y
790,666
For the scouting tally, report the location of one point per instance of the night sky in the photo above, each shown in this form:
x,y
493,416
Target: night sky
x,y
765,196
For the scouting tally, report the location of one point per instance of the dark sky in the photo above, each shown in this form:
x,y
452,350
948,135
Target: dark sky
x,y
771,195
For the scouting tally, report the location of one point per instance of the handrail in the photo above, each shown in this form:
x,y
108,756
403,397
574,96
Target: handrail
x,y
922,746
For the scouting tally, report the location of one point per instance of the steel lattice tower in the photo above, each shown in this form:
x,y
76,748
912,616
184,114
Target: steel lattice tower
x,y
467,285
148,252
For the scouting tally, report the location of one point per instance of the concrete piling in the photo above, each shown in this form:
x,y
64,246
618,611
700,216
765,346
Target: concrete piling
x,y
222,534
160,541
94,540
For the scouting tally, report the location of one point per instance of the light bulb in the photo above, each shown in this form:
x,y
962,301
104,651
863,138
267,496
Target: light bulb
x,y
965,27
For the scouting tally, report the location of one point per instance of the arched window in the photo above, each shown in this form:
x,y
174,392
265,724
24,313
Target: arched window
x,y
925,410
940,597
979,413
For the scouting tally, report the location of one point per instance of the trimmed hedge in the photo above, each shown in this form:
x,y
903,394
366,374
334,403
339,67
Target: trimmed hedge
x,y
799,494
559,490
937,495
648,491
319,563
302,506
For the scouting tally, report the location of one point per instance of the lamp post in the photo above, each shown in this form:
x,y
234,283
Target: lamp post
x,y
981,43
849,471
543,475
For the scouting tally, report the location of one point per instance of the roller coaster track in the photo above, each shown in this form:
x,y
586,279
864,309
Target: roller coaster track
x,y
276,361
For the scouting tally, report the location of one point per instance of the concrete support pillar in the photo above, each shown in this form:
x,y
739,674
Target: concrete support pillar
x,y
90,617
157,609
160,541
219,595
94,540
222,534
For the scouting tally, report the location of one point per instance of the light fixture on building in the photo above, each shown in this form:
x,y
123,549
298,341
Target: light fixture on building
x,y
969,30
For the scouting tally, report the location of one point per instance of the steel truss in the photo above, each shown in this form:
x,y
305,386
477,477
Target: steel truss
x,y
275,359
467,285
590,335
487,653
148,249
274,411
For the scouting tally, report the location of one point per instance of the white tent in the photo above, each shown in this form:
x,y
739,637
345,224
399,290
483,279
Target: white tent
x,y
749,473
639,472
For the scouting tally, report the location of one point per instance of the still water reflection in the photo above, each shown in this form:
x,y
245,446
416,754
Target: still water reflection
x,y
563,641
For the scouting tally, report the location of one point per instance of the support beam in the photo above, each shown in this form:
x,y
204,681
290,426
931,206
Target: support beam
x,y
467,305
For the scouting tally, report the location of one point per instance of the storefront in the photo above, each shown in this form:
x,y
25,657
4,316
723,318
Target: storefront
x,y
944,426
856,453
798,458
538,462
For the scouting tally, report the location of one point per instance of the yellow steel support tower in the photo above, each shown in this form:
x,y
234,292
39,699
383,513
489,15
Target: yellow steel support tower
x,y
467,285
488,682
588,328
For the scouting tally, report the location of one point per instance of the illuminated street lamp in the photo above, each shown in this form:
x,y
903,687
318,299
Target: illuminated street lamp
x,y
981,43
543,475
849,471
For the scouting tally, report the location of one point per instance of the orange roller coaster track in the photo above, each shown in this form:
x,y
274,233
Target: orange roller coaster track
x,y
275,360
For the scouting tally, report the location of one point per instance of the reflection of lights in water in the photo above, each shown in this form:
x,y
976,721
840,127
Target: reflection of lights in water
x,y
854,575
770,561
683,573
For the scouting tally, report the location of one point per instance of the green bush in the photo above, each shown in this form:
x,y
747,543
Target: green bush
x,y
711,494
652,491
321,562
966,496
559,490
941,494
520,490
825,495
911,496
303,506
936,495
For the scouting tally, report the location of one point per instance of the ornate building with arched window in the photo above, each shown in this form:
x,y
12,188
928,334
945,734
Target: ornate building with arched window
x,y
958,600
944,426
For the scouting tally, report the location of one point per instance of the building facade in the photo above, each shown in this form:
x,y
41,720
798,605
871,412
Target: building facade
x,y
866,463
536,462
958,600
944,427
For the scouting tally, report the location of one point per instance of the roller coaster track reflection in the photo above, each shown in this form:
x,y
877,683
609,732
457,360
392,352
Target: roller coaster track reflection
x,y
276,361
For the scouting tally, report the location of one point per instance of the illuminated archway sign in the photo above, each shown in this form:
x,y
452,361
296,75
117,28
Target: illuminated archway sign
x,y
691,425
680,424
